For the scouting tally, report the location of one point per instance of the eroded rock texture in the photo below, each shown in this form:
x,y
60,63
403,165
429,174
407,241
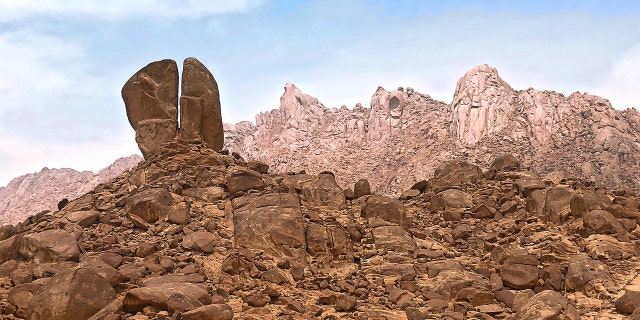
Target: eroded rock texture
x,y
151,100
405,135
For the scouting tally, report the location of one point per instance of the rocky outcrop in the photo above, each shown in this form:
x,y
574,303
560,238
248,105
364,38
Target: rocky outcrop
x,y
151,100
405,135
192,233
34,193
169,239
200,115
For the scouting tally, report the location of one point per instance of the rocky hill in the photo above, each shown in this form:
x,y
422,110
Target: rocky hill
x,y
405,135
31,193
198,233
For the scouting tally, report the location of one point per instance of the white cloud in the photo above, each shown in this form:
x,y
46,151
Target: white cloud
x,y
54,112
622,86
17,9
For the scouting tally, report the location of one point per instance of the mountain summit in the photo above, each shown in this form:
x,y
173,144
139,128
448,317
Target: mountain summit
x,y
404,135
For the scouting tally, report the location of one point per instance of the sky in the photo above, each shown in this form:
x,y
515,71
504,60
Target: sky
x,y
63,62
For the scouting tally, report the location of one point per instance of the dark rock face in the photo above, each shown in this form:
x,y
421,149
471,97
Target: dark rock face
x,y
200,114
151,100
71,295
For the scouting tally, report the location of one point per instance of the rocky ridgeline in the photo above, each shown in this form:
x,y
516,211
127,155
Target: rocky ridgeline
x,y
32,193
192,233
404,135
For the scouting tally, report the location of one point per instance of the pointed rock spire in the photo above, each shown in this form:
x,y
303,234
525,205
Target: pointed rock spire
x,y
481,104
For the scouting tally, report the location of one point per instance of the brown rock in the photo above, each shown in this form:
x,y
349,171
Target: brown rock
x,y
244,180
385,208
602,222
519,276
158,296
557,204
149,204
393,238
272,223
453,173
209,312
361,188
200,114
67,296
628,302
451,199
200,240
584,271
152,94
505,162
324,192
82,218
547,305
345,303
50,246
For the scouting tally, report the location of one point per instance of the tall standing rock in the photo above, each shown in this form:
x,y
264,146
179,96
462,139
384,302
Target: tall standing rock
x,y
151,99
200,114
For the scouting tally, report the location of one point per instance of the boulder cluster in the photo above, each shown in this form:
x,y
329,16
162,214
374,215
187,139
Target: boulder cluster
x,y
193,233
151,99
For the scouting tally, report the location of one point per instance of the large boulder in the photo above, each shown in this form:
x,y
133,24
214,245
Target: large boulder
x,y
50,246
150,204
585,273
385,208
547,305
453,173
272,223
200,114
152,94
602,222
557,204
71,295
505,162
170,296
323,191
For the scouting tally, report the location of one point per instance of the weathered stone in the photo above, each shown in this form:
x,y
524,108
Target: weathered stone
x,y
152,94
209,312
200,114
50,246
272,223
393,238
584,271
150,204
345,303
361,188
505,162
82,218
453,173
451,199
323,191
547,305
243,180
385,208
628,302
557,204
200,240
71,295
602,222
158,296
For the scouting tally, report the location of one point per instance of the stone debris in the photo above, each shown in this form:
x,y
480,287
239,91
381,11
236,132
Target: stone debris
x,y
197,233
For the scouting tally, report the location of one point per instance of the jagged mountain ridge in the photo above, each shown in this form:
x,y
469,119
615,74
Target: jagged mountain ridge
x,y
405,135
31,193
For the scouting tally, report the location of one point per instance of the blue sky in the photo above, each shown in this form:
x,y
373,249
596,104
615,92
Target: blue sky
x,y
63,62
